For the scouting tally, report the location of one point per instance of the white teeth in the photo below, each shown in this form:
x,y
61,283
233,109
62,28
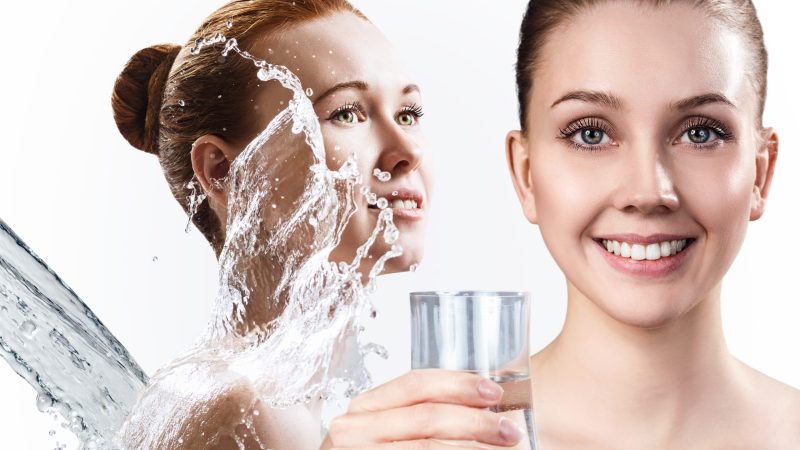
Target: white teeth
x,y
639,252
653,252
404,204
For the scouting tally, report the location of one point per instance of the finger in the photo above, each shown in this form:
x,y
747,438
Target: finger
x,y
424,421
429,385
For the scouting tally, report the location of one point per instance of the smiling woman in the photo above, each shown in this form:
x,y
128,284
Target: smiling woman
x,y
653,136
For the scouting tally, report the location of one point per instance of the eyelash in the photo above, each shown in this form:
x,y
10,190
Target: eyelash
x,y
706,122
598,124
414,109
354,107
593,123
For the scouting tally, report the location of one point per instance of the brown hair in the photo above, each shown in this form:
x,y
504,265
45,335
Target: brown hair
x,y
167,97
542,17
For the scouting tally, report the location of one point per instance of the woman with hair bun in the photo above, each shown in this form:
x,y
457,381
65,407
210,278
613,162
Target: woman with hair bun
x,y
197,109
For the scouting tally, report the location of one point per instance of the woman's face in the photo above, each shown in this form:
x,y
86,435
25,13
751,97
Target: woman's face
x,y
642,138
367,105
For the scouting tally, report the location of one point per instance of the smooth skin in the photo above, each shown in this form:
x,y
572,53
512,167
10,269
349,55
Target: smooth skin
x,y
662,137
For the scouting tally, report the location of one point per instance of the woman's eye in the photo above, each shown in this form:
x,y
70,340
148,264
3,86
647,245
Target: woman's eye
x,y
346,116
590,137
406,118
699,135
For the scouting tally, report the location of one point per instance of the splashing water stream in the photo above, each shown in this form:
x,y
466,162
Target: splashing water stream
x,y
286,321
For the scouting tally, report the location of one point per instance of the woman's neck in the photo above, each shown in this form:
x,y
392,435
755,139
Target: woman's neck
x,y
626,377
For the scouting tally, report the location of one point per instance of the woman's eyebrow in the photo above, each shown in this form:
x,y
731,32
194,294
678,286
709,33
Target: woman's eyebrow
x,y
598,97
700,100
355,84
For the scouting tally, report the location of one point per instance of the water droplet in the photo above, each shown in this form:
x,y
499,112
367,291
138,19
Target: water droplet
x,y
372,198
390,234
336,148
274,206
413,267
241,410
219,96
155,258
256,413
263,74
309,92
270,51
180,440
381,175
395,193
181,103
330,52
52,432
43,401
28,329
383,203
229,24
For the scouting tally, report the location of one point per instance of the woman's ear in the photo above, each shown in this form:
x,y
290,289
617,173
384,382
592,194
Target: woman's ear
x,y
766,155
211,157
519,166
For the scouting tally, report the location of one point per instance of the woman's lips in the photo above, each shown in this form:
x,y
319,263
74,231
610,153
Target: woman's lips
x,y
648,257
406,204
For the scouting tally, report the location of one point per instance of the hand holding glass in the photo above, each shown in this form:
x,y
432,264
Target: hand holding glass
x,y
479,332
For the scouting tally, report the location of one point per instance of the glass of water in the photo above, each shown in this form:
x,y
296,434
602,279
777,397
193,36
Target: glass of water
x,y
481,332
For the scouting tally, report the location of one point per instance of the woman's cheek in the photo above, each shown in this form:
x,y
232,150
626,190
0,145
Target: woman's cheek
x,y
568,198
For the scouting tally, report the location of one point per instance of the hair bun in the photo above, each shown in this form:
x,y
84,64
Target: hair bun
x,y
138,93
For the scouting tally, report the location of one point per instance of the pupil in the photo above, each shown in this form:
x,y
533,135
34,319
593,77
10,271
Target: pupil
x,y
592,136
698,135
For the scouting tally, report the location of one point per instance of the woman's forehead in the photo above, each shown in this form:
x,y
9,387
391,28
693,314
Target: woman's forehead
x,y
332,49
643,53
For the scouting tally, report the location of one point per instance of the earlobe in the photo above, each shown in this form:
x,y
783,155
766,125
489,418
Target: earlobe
x,y
766,156
519,167
211,162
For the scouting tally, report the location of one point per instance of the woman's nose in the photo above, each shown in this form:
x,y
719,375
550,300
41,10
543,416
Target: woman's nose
x,y
399,151
645,183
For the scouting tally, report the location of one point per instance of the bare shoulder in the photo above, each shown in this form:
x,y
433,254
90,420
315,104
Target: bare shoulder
x,y
776,408
218,411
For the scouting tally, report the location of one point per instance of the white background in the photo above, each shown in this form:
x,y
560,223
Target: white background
x,y
99,211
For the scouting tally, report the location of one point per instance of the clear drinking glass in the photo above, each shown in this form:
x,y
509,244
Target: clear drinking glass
x,y
480,332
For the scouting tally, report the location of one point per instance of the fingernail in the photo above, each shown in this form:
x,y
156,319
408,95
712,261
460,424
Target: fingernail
x,y
489,390
509,430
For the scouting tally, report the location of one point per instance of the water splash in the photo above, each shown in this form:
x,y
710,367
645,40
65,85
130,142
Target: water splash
x,y
287,212
195,198
80,372
381,175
